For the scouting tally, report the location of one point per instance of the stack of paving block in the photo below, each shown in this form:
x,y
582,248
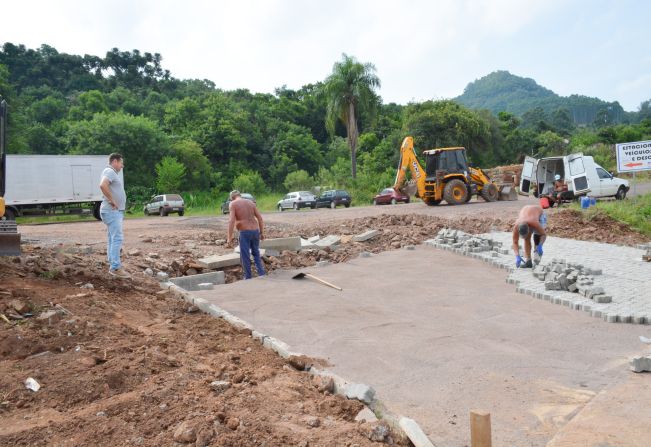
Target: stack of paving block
x,y
467,242
562,275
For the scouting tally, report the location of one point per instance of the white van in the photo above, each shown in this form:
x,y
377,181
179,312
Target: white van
x,y
580,172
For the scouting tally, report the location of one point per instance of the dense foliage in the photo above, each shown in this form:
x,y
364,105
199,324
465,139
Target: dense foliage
x,y
189,134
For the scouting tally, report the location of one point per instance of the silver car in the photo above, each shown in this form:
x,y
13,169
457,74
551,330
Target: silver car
x,y
165,204
297,200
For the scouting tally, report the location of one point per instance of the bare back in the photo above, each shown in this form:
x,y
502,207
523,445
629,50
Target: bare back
x,y
245,214
529,214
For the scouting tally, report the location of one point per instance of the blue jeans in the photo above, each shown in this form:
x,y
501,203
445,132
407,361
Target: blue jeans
x,y
250,244
113,221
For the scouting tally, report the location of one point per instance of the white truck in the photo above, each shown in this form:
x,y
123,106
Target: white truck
x,y
49,184
581,173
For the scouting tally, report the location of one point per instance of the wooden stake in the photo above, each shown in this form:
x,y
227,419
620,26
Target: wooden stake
x,y
480,429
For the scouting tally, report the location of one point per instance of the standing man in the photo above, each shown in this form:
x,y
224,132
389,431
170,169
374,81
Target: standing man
x,y
531,221
245,216
112,212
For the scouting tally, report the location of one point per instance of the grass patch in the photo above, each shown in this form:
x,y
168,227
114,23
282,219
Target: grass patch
x,y
636,212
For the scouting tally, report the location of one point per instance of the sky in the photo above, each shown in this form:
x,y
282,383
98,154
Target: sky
x,y
421,49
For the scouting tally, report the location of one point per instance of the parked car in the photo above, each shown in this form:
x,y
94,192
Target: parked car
x,y
333,198
165,204
244,195
390,195
297,200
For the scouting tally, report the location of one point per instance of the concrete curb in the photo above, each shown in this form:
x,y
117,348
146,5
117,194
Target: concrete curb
x,y
413,432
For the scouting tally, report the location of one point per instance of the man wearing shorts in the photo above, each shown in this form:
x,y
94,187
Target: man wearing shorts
x,y
531,222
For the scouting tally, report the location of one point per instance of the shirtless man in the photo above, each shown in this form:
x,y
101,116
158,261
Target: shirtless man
x,y
531,221
245,216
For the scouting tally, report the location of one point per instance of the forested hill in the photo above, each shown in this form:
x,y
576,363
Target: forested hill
x,y
502,91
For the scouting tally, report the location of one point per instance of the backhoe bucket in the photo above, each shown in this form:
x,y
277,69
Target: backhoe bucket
x,y
9,238
410,188
507,192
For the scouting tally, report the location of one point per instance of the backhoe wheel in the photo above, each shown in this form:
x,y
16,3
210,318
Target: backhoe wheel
x,y
489,192
433,202
455,192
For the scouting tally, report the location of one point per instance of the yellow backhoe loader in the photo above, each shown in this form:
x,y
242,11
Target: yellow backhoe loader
x,y
447,176
9,237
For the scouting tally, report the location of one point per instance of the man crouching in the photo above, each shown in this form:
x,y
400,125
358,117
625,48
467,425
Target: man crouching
x,y
531,221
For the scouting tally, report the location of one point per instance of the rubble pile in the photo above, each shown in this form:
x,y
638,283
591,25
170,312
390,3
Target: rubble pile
x,y
562,275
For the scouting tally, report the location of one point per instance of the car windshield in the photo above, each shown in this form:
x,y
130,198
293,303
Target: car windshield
x,y
174,197
248,196
387,191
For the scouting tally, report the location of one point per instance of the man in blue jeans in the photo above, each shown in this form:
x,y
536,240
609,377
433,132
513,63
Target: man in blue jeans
x,y
112,212
245,216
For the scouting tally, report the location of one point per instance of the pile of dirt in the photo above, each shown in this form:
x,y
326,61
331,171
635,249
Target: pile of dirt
x,y
593,226
121,362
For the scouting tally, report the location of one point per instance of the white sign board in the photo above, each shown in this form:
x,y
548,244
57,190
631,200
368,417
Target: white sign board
x,y
633,157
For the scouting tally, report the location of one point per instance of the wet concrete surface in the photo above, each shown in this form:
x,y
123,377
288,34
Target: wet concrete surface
x,y
438,334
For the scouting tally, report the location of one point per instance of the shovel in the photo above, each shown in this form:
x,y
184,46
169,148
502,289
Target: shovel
x,y
308,275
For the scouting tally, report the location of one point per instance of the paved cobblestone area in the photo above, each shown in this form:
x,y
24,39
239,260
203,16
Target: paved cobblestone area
x,y
624,275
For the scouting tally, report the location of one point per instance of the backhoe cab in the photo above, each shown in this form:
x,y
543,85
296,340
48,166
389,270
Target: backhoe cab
x,y
447,176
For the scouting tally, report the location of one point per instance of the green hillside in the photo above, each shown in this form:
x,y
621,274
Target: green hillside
x,y
502,91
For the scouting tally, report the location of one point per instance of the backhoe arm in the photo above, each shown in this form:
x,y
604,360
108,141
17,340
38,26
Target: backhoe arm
x,y
409,161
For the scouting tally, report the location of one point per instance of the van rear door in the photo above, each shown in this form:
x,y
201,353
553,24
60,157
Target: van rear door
x,y
578,175
528,176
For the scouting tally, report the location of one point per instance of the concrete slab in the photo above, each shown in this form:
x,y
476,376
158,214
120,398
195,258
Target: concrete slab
x,y
365,236
282,243
193,282
220,261
237,250
328,241
437,334
305,244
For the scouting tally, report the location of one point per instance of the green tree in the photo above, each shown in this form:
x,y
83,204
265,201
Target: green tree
x,y
349,89
138,139
250,182
89,103
197,166
298,181
169,175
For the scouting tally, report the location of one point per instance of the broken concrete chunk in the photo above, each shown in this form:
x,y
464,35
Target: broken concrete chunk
x,y
220,261
366,415
306,244
414,433
219,386
192,282
282,243
359,391
370,234
328,241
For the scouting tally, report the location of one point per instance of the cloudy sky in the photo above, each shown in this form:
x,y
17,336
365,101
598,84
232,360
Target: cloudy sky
x,y
421,49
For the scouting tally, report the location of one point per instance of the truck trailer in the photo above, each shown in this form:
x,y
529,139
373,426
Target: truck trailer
x,y
53,184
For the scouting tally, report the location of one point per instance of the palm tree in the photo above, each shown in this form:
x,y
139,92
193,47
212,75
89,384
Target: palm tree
x,y
349,89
